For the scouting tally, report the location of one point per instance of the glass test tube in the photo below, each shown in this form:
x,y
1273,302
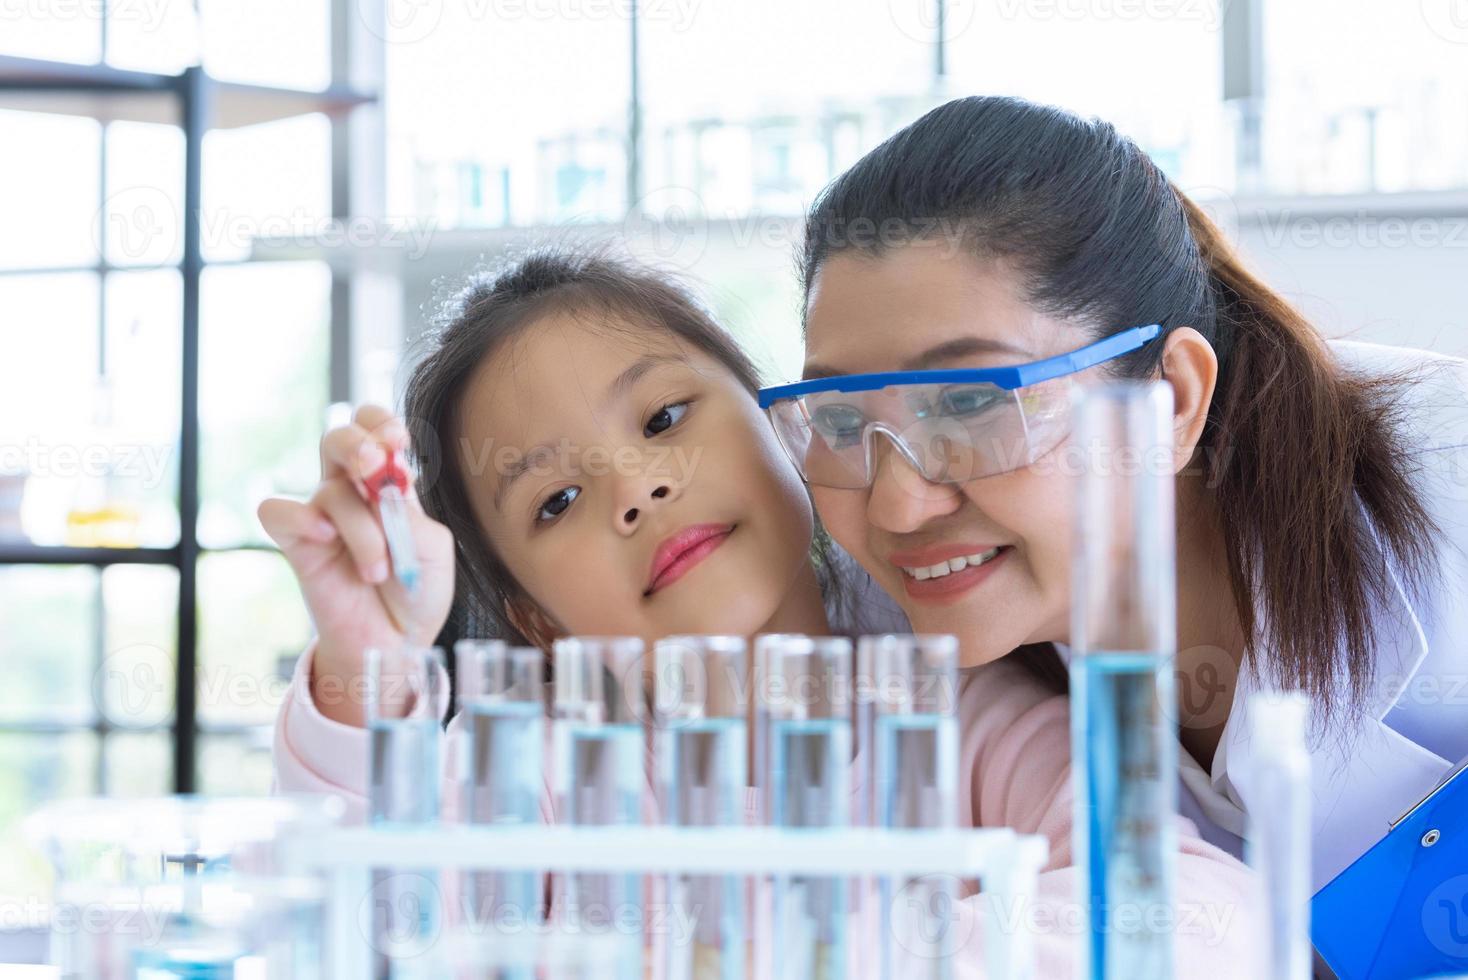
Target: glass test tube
x,y
1278,846
808,697
759,736
702,772
915,695
600,776
1123,633
501,706
404,690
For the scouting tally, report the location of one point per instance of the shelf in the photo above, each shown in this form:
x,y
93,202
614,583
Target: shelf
x,y
112,94
22,553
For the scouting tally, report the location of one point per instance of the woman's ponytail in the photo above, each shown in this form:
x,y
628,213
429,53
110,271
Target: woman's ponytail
x,y
1312,482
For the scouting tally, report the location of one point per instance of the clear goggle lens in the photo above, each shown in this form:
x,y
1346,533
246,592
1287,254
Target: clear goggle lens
x,y
949,433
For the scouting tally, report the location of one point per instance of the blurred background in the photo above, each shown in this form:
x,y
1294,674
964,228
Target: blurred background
x,y
219,217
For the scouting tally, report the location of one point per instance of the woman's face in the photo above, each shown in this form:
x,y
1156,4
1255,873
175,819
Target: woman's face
x,y
923,306
630,484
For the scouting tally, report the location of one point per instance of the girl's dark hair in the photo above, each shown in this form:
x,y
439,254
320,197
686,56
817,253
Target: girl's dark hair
x,y
485,315
1098,234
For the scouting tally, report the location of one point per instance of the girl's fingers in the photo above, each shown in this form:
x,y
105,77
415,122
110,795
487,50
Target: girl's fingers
x,y
290,522
360,448
383,425
351,451
357,526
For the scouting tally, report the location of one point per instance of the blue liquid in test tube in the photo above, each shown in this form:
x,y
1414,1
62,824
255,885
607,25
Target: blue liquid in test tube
x,y
809,701
403,791
1123,632
702,772
599,706
915,685
501,780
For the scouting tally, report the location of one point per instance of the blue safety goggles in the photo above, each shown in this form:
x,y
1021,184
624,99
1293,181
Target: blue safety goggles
x,y
952,426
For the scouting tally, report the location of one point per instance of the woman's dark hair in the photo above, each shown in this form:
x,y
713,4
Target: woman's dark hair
x,y
1099,235
484,316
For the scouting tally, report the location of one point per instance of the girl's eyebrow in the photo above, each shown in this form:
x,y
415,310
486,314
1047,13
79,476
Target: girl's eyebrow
x,y
634,373
512,472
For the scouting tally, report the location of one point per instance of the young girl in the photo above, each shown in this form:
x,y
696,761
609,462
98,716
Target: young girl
x,y
1322,532
593,459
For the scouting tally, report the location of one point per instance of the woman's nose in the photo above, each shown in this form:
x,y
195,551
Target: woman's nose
x,y
900,499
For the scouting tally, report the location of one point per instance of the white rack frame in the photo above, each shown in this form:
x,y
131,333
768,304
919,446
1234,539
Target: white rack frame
x,y
1004,862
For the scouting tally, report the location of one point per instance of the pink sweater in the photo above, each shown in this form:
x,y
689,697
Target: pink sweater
x,y
1014,758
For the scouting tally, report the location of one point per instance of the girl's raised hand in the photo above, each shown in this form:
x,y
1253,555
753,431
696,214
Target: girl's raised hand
x,y
336,546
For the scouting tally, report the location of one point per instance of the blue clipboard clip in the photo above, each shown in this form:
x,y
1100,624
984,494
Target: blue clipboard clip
x,y
1401,909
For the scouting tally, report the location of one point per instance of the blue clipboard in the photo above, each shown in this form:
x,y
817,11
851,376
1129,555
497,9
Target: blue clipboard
x,y
1401,909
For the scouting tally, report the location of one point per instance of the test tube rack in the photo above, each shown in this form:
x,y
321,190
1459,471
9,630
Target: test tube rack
x,y
1005,864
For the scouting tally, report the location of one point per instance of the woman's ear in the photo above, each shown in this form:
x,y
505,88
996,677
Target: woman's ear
x,y
532,622
1189,363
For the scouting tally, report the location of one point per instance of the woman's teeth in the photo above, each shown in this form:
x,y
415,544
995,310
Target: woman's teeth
x,y
950,566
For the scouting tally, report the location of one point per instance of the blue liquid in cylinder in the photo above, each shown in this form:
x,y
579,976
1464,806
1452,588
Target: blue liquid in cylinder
x,y
184,964
606,785
403,787
917,776
1125,749
704,777
810,761
503,787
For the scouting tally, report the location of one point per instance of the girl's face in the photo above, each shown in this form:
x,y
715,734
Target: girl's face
x,y
630,484
923,307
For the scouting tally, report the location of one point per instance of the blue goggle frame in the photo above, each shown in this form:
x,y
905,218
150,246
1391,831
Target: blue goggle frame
x,y
1008,378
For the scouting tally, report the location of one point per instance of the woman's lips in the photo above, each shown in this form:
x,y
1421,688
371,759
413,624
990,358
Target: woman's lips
x,y
949,587
680,552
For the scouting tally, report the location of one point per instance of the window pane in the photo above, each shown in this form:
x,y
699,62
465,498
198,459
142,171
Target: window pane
x,y
734,140
552,148
262,391
136,683
48,642
48,399
52,31
158,37
269,42
99,455
235,765
145,179
35,769
250,616
1152,71
1358,93
52,190
272,180
144,331
139,764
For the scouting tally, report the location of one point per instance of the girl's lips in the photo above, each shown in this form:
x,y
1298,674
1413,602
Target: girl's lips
x,y
680,552
948,588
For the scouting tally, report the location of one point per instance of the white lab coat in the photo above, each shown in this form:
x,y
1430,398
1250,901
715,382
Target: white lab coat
x,y
1368,769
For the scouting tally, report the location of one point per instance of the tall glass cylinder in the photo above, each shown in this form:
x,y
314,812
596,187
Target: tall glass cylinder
x,y
1278,847
1123,710
405,688
702,772
501,707
600,704
915,696
808,697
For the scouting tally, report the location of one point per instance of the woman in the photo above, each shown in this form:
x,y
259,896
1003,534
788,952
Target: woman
x,y
1322,536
